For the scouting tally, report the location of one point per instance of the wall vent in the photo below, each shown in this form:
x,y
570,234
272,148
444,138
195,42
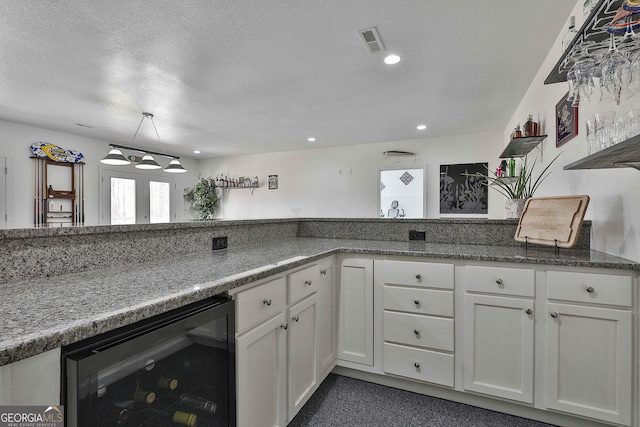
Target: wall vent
x,y
371,40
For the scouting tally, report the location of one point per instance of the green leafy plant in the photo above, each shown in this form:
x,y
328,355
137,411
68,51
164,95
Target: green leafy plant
x,y
521,186
203,198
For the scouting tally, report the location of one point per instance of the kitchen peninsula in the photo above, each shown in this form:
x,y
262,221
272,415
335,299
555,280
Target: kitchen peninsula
x,y
117,282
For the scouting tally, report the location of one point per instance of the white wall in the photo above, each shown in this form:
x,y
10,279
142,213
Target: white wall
x,y
15,142
614,207
343,181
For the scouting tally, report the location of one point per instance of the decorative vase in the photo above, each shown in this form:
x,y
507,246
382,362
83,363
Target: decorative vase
x,y
513,207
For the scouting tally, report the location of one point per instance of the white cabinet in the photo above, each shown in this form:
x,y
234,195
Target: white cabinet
x,y
32,381
418,320
498,346
327,317
355,315
261,370
278,341
302,353
499,332
589,348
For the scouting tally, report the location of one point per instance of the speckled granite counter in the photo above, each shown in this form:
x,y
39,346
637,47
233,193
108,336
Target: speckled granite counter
x,y
49,312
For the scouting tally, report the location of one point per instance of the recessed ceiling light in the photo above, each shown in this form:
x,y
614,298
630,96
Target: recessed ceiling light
x,y
196,151
311,139
391,59
421,127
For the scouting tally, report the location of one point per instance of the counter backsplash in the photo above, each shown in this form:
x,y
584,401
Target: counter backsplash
x,y
30,253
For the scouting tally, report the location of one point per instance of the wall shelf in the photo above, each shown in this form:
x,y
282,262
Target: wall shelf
x,y
240,188
593,29
520,147
625,154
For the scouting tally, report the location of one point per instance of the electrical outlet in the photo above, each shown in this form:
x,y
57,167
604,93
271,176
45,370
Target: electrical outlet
x,y
219,243
417,235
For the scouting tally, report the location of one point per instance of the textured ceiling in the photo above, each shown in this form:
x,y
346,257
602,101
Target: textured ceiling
x,y
242,76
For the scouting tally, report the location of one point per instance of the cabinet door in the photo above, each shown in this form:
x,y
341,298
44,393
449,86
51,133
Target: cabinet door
x,y
32,381
498,346
355,321
589,353
261,374
303,353
326,318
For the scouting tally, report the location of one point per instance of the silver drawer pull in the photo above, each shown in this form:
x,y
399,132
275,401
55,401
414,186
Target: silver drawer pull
x,y
416,301
418,276
499,281
590,289
323,272
296,318
284,326
529,311
266,301
416,331
417,365
554,314
307,282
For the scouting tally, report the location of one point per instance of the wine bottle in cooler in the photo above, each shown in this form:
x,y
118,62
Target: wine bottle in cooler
x,y
200,403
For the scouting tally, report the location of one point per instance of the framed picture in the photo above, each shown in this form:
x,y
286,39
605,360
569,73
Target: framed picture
x,y
566,121
462,194
273,182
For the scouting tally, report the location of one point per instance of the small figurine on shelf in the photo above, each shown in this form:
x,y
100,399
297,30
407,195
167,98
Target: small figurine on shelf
x,y
503,168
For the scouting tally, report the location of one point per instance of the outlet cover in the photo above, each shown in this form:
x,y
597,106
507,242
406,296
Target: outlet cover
x,y
417,235
219,243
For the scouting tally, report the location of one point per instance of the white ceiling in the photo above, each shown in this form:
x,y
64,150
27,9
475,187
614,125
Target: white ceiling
x,y
243,76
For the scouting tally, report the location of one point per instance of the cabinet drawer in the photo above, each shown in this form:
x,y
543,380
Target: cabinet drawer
x,y
500,280
259,303
423,274
423,365
421,331
418,301
303,283
590,287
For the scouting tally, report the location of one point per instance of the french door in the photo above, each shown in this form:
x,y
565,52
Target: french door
x,y
136,198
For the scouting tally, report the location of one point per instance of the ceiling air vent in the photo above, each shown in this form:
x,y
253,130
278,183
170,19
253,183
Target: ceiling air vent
x,y
371,40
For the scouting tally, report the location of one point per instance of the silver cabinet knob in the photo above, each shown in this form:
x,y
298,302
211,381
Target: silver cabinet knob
x,y
266,301
416,331
416,301
417,365
296,318
590,289
529,311
307,282
418,276
554,314
284,326
499,281
323,272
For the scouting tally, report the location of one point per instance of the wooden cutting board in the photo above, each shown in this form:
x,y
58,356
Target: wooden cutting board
x,y
552,221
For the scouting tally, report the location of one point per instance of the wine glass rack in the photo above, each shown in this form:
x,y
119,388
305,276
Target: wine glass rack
x,y
593,29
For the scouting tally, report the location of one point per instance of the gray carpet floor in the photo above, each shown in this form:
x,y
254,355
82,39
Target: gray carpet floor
x,y
342,401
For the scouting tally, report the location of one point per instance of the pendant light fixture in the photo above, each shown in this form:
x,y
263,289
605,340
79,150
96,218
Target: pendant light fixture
x,y
115,156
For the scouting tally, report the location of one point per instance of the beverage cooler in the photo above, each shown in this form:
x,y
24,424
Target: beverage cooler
x,y
175,369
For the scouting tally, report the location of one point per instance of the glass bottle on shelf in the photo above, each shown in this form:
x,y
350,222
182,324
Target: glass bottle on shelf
x,y
530,127
517,133
570,34
512,167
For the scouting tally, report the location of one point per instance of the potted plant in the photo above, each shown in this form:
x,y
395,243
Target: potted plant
x,y
203,198
519,188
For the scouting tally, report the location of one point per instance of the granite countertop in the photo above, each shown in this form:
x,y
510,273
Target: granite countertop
x,y
50,312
